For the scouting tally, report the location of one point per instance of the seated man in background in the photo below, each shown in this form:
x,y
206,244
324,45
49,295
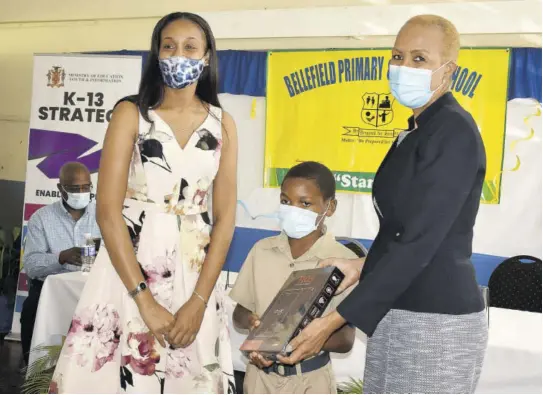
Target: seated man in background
x,y
54,232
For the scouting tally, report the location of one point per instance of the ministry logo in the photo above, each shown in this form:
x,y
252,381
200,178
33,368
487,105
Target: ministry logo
x,y
55,77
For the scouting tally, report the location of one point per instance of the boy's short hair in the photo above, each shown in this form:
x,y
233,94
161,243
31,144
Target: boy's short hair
x,y
317,172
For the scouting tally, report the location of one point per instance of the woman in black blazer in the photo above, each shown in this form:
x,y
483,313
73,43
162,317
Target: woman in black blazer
x,y
418,300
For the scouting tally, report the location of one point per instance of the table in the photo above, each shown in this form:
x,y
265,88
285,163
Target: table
x,y
513,357
58,300
512,364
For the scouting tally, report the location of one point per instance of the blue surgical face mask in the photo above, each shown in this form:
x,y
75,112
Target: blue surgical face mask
x,y
410,86
298,222
178,72
294,221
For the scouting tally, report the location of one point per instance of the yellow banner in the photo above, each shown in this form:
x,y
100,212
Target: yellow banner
x,y
335,107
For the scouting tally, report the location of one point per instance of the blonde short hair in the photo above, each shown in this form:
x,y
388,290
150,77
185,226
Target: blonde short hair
x,y
451,38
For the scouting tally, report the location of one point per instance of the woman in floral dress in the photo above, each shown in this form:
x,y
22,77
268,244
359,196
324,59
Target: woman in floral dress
x,y
151,318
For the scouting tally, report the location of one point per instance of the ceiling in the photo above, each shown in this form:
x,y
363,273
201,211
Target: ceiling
x,y
63,10
252,24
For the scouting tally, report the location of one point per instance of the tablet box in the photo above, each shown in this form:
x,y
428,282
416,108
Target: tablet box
x,y
304,297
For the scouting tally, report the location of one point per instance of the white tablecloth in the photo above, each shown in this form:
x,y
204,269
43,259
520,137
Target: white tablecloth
x,y
58,300
512,364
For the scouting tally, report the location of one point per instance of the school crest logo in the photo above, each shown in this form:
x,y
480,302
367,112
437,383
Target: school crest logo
x,y
377,114
55,77
377,109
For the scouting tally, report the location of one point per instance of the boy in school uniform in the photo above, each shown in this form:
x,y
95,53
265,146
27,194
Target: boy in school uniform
x,y
307,198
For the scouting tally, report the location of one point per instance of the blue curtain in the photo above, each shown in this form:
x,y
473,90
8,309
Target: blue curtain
x,y
240,72
525,74
244,72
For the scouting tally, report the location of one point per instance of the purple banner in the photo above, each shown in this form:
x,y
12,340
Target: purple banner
x,y
57,148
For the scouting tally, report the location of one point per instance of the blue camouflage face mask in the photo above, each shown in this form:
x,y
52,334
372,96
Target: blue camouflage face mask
x,y
178,72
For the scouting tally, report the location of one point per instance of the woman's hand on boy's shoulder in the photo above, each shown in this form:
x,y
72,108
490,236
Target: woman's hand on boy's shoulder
x,y
351,268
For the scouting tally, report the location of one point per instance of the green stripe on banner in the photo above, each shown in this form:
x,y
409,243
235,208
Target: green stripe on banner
x,y
345,181
489,194
362,182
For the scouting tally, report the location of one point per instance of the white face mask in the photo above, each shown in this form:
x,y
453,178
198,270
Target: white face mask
x,y
412,87
78,201
297,222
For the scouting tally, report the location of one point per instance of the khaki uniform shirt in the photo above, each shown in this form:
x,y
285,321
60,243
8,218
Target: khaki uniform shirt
x,y
264,272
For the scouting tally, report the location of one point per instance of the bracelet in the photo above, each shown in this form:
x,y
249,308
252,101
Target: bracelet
x,y
140,288
200,297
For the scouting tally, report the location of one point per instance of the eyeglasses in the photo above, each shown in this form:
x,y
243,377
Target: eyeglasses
x,y
77,188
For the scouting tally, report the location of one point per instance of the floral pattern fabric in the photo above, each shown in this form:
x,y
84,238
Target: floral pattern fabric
x,y
109,349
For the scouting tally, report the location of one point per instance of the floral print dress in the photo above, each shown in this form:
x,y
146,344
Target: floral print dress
x,y
109,349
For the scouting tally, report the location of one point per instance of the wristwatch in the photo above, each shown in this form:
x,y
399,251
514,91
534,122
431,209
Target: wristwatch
x,y
140,288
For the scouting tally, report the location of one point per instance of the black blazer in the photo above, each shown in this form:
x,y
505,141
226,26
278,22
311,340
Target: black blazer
x,y
426,192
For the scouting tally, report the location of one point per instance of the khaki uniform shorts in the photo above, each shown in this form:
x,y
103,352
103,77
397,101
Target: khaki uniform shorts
x,y
320,381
